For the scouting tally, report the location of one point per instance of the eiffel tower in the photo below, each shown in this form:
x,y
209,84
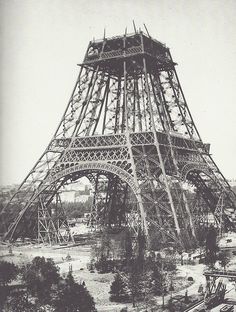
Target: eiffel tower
x,y
128,129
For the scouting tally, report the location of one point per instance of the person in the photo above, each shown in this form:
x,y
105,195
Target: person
x,y
10,250
186,296
200,289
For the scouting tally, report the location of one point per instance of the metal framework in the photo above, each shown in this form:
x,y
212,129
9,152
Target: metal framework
x,y
127,120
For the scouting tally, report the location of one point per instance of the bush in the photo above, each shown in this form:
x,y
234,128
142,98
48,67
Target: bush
x,y
19,303
104,265
119,289
8,272
190,279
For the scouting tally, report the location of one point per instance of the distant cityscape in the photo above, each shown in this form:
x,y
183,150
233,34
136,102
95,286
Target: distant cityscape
x,y
75,193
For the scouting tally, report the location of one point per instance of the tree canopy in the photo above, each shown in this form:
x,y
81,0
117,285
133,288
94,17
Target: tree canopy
x,y
8,272
39,276
72,297
46,290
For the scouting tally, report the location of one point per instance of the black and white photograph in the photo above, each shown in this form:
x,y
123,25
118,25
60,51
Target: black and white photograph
x,y
117,156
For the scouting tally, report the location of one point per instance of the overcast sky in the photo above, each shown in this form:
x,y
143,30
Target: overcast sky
x,y
41,42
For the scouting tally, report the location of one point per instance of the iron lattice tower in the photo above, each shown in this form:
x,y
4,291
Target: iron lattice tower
x,y
127,120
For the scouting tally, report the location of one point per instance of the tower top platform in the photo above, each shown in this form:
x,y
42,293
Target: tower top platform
x,y
110,53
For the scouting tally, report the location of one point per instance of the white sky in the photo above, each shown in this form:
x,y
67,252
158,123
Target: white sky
x,y
41,41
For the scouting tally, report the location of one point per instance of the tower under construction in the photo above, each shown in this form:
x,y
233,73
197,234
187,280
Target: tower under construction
x,y
128,129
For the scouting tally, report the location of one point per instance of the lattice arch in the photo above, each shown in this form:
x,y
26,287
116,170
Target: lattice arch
x,y
97,167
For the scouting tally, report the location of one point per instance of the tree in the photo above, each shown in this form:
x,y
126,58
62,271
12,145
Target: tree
x,y
157,281
211,247
141,243
19,303
77,209
103,264
39,276
169,265
128,247
119,289
101,252
70,296
135,281
8,272
75,214
105,245
134,286
163,269
223,259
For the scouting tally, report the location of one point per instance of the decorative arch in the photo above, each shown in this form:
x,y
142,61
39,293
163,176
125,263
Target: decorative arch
x,y
94,166
101,166
194,167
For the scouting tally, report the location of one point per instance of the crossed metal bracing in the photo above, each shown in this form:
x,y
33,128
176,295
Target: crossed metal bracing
x,y
110,202
128,120
52,224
